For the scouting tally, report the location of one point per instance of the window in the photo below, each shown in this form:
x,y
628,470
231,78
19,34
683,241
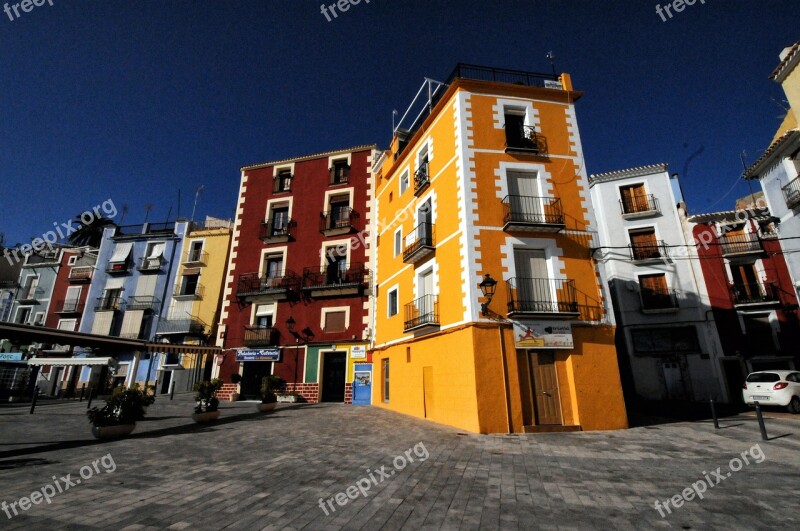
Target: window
x,y
385,378
644,245
393,303
264,316
518,135
283,181
655,293
339,211
189,284
153,255
634,199
72,260
279,221
38,319
67,324
31,288
195,251
398,242
340,172
23,315
404,182
335,321
336,272
110,299
273,266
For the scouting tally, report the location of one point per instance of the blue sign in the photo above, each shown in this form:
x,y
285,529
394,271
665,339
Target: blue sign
x,y
362,384
270,354
10,356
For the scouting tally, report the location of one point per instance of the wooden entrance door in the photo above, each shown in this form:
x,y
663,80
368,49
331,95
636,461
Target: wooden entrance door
x,y
545,389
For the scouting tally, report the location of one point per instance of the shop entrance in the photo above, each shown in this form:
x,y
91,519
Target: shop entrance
x,y
334,369
545,388
252,374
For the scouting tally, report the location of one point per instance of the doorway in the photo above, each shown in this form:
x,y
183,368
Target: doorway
x,y
252,374
334,368
734,375
545,388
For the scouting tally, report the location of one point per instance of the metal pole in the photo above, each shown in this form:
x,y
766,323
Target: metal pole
x,y
91,395
761,422
83,389
33,401
714,414
172,389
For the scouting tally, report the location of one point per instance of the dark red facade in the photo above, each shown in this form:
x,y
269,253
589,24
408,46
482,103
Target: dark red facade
x,y
752,297
76,275
318,232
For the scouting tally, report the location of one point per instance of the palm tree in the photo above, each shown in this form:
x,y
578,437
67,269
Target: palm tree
x,y
89,235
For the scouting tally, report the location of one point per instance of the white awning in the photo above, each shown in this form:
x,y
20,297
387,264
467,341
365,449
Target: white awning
x,y
121,252
71,362
157,250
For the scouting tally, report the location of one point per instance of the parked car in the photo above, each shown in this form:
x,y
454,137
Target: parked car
x,y
773,388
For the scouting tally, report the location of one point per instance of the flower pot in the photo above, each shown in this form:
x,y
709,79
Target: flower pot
x,y
112,432
287,398
205,417
267,407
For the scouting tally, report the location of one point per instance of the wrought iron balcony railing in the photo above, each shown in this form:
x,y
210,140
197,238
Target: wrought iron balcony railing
x,y
81,274
187,326
335,277
525,139
421,179
542,296
278,230
420,243
754,293
251,284
141,302
70,306
641,252
740,243
531,213
189,292
658,299
421,312
338,221
196,257
30,295
107,304
791,192
117,268
639,206
150,264
260,336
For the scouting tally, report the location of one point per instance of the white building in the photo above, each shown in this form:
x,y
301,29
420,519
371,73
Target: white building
x,y
667,342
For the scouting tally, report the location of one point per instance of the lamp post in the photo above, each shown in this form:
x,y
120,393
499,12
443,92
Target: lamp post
x,y
488,287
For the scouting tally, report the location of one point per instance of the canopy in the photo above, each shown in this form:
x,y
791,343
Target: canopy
x,y
71,362
121,252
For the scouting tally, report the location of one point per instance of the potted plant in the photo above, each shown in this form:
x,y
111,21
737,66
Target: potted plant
x,y
207,405
235,379
149,395
270,384
118,417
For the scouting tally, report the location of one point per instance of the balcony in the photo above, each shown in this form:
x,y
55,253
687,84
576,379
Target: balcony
x,y
273,288
187,293
337,222
659,301
335,281
260,336
277,232
190,326
108,304
542,297
196,258
81,274
422,314
532,214
655,251
738,244
139,302
30,295
525,141
117,268
421,179
791,192
639,207
150,264
755,294
421,245
70,306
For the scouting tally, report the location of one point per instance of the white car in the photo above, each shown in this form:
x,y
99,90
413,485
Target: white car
x,y
773,388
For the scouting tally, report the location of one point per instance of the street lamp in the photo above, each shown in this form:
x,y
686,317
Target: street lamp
x,y
488,287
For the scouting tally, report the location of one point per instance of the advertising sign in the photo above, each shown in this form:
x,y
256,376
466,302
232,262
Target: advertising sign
x,y
267,354
358,352
10,356
543,334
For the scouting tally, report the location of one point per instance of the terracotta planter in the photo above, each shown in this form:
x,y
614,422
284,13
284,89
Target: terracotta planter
x,y
205,417
267,407
112,432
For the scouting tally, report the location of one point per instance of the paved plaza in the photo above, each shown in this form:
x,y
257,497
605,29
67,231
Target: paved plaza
x,y
375,469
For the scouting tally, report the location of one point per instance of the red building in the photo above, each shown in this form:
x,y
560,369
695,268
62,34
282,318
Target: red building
x,y
296,299
71,288
752,297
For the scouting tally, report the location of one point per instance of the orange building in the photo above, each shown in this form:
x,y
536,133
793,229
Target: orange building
x,y
486,190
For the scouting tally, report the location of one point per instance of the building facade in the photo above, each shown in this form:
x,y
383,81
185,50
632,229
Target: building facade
x,y
35,287
488,191
667,340
296,298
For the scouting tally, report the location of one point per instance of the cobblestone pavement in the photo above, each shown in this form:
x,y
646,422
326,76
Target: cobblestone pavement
x,y
252,470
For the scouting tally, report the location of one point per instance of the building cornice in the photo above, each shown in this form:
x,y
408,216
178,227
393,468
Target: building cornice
x,y
787,65
774,150
638,171
354,149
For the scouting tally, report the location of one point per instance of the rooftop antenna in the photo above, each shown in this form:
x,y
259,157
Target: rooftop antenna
x,y
124,211
552,58
742,156
394,115
196,197
147,208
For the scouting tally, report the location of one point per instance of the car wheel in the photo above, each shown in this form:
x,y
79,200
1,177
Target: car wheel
x,y
794,405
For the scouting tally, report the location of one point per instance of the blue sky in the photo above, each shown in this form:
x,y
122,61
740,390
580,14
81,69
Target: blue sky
x,y
136,100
